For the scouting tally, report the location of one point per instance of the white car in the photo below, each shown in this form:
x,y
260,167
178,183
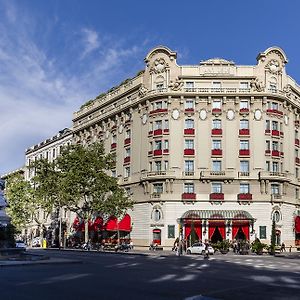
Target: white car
x,y
199,248
20,244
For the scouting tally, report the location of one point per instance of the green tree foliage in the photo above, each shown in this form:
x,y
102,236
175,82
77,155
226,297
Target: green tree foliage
x,y
22,206
78,181
273,238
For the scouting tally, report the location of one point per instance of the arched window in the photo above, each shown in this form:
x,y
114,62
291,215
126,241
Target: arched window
x,y
276,216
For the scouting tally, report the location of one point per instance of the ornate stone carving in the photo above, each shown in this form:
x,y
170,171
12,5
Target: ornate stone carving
x,y
159,66
176,85
273,66
143,91
256,85
288,91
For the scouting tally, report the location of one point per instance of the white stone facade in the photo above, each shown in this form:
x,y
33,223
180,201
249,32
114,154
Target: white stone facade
x,y
214,136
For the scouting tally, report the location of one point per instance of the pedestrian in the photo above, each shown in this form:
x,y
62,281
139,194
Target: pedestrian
x,y
206,252
282,248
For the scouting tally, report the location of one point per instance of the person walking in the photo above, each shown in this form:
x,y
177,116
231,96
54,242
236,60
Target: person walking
x,y
282,248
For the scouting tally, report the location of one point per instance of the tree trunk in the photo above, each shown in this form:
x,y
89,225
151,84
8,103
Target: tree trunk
x,y
86,230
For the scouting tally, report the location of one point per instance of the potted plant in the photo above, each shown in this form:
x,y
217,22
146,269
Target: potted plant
x,y
224,246
257,247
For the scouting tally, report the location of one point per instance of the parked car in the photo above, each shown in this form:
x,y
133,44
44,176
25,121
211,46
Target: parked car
x,y
36,242
199,248
20,244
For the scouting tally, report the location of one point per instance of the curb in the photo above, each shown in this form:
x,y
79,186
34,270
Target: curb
x,y
41,262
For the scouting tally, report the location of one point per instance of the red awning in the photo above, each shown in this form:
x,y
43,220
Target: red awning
x,y
125,223
111,224
156,230
297,224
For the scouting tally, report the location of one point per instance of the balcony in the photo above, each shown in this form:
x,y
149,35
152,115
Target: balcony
x,y
157,152
189,151
217,175
276,198
166,151
166,131
157,132
275,133
188,173
188,196
244,152
157,175
150,152
150,132
297,142
216,196
155,195
127,141
113,146
274,112
297,160
189,110
273,176
216,111
158,111
189,131
127,160
216,131
267,131
244,196
244,111
244,131
267,152
275,153
216,152
244,174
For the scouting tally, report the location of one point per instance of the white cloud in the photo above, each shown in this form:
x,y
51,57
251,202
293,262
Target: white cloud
x,y
39,93
90,41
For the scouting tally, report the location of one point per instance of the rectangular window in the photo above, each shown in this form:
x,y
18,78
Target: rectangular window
x,y
127,152
268,166
189,104
158,145
166,144
113,173
216,187
216,124
216,165
297,172
296,134
244,166
268,127
297,193
158,125
275,146
262,232
166,124
166,165
128,134
158,104
217,104
189,123
275,167
157,165
216,84
274,125
268,145
171,231
244,104
189,188
275,189
158,188
127,172
244,145
189,144
159,86
113,139
189,84
53,153
189,166
244,124
244,85
244,188
216,144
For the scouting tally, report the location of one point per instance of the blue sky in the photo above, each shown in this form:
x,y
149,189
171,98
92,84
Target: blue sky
x,y
55,55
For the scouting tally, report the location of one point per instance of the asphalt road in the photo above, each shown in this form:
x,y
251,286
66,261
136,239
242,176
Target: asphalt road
x,y
121,276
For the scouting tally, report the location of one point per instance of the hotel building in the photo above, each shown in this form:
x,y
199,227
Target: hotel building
x,y
211,148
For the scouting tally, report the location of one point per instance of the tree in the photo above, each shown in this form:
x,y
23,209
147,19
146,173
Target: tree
x,y
78,180
19,194
273,238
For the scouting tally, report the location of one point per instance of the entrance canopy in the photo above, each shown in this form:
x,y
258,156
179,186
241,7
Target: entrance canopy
x,y
192,215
